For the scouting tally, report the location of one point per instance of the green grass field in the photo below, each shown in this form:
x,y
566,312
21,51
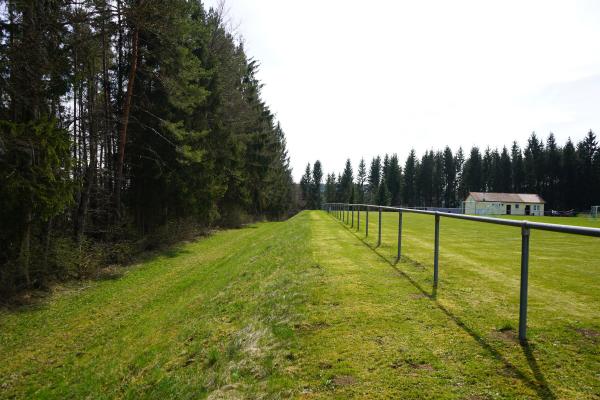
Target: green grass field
x,y
310,308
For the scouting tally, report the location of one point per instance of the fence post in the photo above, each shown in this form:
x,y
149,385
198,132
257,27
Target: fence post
x,y
352,226
399,235
525,233
367,223
347,213
436,250
379,230
358,222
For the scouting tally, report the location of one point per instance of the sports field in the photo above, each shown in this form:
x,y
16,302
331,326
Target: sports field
x,y
309,308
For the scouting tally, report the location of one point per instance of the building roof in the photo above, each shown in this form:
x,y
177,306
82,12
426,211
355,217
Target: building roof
x,y
507,197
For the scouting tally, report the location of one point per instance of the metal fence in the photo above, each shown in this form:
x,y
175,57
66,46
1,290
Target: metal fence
x,y
345,212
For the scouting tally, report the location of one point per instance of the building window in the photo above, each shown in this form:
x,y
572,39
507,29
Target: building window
x,y
516,206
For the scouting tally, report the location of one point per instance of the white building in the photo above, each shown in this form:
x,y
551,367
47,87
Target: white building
x,y
480,203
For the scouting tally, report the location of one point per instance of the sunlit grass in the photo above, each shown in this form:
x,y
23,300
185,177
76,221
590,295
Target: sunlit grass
x,y
310,308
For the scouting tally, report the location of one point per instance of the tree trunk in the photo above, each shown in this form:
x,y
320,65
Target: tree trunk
x,y
125,120
108,133
25,251
88,179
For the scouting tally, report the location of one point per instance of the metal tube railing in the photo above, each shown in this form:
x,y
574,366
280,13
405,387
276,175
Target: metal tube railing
x,y
526,227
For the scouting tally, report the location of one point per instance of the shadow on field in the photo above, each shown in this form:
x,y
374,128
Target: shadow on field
x,y
538,384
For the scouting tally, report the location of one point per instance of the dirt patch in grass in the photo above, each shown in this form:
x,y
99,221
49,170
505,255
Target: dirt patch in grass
x,y
425,366
311,326
412,365
344,380
589,333
507,334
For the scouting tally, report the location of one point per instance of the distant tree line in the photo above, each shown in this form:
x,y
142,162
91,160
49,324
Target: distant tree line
x,y
119,118
567,177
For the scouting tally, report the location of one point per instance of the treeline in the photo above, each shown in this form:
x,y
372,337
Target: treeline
x,y
567,177
120,119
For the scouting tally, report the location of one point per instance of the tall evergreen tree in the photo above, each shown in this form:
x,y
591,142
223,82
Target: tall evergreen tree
x,y
361,180
409,193
459,161
317,178
586,152
438,179
305,186
473,172
449,178
505,171
347,183
393,180
487,171
518,169
383,194
374,178
496,172
550,191
569,170
330,188
533,163
425,180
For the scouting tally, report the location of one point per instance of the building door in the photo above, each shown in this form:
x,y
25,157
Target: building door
x,y
508,207
527,209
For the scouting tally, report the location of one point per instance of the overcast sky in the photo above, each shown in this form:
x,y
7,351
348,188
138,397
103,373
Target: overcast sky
x,y
356,79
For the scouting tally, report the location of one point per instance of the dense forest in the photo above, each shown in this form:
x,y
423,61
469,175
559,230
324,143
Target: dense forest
x,y
124,123
566,177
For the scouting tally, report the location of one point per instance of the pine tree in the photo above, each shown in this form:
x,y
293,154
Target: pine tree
x,y
459,161
317,178
383,194
438,179
361,179
496,175
552,161
448,178
330,188
425,180
533,162
518,169
505,170
374,178
347,183
409,193
393,180
486,171
586,152
305,187
569,171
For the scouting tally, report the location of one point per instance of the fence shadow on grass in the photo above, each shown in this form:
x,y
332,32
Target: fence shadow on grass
x,y
539,384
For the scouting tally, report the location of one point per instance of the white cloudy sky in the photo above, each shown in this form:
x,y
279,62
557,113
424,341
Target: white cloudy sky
x,y
355,79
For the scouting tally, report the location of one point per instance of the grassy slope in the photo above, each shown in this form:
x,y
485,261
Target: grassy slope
x,y
306,309
210,317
